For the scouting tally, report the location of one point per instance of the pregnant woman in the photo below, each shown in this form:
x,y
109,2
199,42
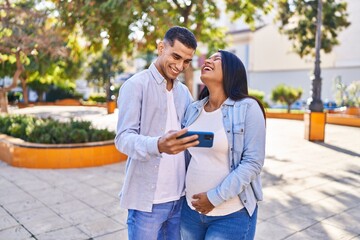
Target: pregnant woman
x,y
223,182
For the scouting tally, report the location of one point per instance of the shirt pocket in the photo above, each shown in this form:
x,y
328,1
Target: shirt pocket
x,y
238,137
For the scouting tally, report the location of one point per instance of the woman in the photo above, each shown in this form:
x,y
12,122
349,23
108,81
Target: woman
x,y
223,182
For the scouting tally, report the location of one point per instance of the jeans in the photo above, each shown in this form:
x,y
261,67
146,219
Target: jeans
x,y
163,223
235,226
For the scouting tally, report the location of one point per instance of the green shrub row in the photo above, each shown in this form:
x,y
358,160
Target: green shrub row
x,y
50,131
98,98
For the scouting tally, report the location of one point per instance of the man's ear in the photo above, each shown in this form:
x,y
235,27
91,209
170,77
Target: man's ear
x,y
160,47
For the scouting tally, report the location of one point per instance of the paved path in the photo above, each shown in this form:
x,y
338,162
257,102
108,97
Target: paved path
x,y
311,190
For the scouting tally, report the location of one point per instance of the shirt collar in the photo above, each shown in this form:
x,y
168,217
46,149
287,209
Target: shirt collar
x,y
158,77
203,101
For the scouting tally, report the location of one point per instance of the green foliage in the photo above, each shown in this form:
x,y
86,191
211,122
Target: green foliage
x,y
129,24
17,126
347,95
78,136
298,21
100,135
286,94
57,92
7,66
251,11
97,98
50,131
14,97
39,86
36,45
260,95
45,72
103,68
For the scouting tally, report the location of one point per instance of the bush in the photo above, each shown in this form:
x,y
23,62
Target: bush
x,y
78,136
62,92
347,95
286,95
100,135
51,131
100,98
14,97
259,95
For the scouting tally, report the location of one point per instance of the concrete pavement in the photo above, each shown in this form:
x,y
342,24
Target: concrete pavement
x,y
311,190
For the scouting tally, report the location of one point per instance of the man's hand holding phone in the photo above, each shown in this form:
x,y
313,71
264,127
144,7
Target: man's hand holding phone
x,y
173,143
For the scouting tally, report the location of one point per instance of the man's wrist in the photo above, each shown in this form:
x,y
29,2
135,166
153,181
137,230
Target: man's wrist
x,y
158,145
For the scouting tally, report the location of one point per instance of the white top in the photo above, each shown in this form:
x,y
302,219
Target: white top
x,y
171,178
209,166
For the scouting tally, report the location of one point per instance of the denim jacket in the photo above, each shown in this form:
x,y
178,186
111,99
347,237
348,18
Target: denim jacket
x,y
141,121
244,125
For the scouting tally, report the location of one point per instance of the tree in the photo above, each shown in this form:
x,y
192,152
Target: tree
x,y
103,68
313,25
347,95
46,71
26,32
140,23
285,94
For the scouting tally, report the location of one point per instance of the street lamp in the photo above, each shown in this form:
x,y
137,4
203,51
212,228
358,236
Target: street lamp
x,y
316,105
315,119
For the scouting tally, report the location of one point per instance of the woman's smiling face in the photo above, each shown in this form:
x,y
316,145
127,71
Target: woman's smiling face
x,y
211,70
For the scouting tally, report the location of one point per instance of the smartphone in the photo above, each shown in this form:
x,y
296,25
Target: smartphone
x,y
206,139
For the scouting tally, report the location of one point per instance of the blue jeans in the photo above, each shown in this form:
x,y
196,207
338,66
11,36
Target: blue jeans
x,y
235,226
163,223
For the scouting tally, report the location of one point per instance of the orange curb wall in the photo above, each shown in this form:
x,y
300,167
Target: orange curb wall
x,y
343,119
292,116
18,153
331,118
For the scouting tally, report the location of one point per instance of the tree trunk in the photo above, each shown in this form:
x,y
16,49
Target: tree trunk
x,y
316,104
4,90
25,91
3,101
41,96
189,78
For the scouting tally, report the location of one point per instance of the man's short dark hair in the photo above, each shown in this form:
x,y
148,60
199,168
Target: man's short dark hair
x,y
181,34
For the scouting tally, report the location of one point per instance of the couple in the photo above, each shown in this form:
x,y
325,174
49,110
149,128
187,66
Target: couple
x,y
173,190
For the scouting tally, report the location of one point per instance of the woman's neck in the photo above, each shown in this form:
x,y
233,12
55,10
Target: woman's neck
x,y
215,101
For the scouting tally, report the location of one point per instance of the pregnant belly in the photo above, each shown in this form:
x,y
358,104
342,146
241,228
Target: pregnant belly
x,y
202,180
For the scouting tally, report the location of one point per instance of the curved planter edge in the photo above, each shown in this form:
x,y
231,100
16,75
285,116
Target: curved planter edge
x,y
19,153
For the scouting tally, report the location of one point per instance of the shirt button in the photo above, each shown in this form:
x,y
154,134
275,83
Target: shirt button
x,y
224,116
245,201
228,131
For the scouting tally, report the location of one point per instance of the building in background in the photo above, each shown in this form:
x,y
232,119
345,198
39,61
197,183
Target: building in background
x,y
269,60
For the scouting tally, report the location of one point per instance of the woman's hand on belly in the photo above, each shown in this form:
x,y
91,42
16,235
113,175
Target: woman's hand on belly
x,y
201,203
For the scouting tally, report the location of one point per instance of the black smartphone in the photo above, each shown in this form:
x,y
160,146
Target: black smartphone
x,y
206,139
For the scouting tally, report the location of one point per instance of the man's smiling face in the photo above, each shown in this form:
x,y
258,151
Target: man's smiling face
x,y
172,60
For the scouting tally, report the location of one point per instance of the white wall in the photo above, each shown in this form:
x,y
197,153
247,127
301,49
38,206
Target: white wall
x,y
270,61
266,81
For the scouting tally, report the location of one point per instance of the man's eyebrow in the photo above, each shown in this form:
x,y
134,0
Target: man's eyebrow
x,y
179,56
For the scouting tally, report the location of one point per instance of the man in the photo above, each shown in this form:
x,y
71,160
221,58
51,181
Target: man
x,y
151,107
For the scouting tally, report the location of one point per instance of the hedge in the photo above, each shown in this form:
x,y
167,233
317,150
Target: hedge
x,y
50,131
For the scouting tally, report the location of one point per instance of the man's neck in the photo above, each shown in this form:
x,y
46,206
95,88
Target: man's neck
x,y
169,84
